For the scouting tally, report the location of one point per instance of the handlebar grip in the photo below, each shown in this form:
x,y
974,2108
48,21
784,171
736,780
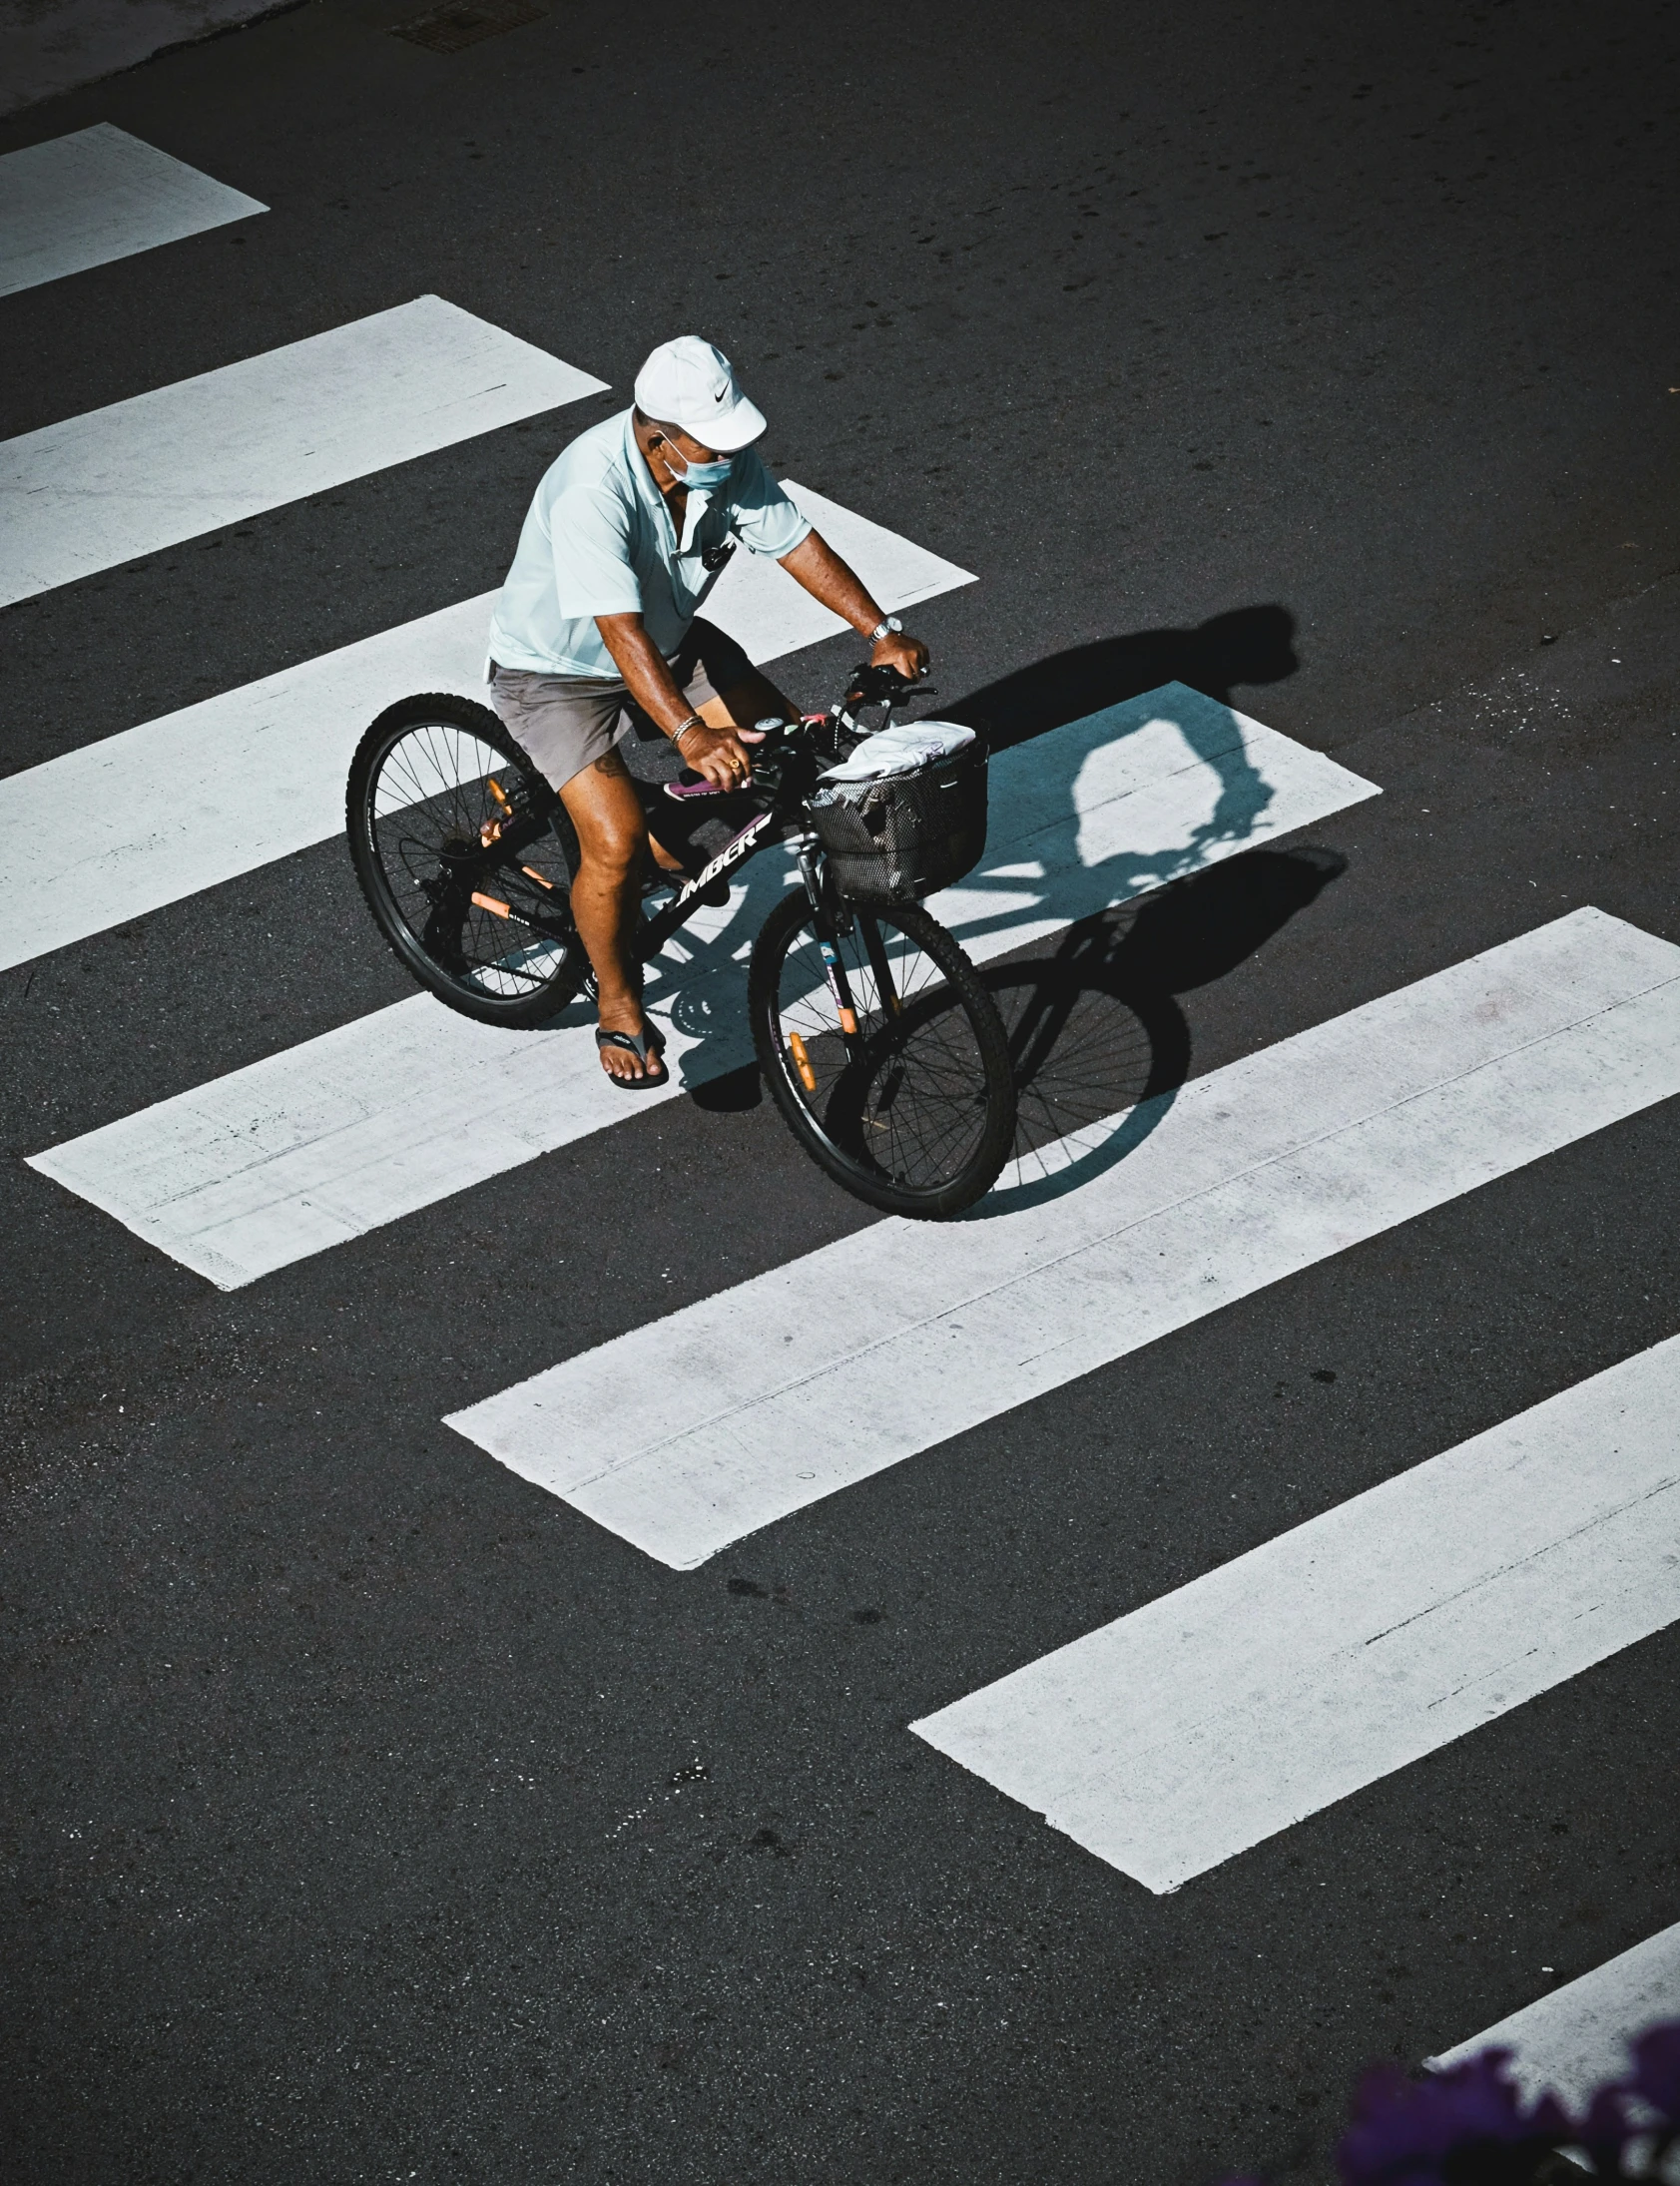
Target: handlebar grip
x,y
872,686
697,787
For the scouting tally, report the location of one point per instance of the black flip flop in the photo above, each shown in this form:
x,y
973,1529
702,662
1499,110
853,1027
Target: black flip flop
x,y
648,1049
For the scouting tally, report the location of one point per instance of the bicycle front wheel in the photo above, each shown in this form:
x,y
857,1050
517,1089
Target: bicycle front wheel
x,y
915,1111
473,898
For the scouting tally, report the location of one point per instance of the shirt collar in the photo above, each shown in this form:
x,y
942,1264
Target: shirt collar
x,y
641,472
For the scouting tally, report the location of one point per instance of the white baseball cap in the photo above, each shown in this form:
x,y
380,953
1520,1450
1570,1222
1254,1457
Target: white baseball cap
x,y
691,383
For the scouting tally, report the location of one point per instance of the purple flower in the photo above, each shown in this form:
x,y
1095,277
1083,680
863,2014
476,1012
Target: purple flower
x,y
1470,2123
1472,2126
1604,2130
1656,2070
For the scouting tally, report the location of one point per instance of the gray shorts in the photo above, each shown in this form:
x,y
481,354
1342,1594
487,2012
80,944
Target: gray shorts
x,y
566,723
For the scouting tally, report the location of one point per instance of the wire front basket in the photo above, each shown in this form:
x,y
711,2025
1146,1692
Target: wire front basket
x,y
897,839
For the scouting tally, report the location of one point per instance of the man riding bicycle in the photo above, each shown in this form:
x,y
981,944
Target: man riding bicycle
x,y
596,631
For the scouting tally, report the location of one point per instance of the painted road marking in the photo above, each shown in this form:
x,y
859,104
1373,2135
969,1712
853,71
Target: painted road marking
x,y
1179,1735
99,195
121,827
309,1148
203,795
147,473
365,1124
1576,2037
891,1340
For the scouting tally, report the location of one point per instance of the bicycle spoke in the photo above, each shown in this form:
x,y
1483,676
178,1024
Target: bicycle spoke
x,y
1083,1058
430,807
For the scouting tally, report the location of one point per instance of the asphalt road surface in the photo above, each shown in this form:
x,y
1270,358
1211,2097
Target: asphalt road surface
x,y
374,1812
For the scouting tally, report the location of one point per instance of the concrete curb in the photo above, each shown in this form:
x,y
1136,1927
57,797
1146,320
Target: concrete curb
x,y
48,47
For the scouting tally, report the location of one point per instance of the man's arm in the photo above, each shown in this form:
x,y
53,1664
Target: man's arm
x,y
826,578
718,754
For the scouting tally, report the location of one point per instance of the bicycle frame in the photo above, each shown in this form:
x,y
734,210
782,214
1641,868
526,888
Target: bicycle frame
x,y
529,815
830,920
654,932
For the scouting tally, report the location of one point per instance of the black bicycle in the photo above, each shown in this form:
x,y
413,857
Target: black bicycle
x,y
881,1047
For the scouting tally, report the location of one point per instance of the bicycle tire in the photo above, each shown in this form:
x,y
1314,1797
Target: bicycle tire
x,y
932,1156
416,802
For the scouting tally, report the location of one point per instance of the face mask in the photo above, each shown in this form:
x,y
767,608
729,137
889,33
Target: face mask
x,y
699,477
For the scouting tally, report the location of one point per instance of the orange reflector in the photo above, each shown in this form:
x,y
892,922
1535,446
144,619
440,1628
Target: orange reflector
x,y
498,793
848,1020
802,1062
533,873
489,903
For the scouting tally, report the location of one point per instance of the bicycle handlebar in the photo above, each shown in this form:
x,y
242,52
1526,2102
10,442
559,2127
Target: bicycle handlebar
x,y
865,686
870,686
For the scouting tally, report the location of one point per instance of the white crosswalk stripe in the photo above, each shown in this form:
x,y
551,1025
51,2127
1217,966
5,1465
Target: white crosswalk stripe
x,y
1184,1733
145,474
210,792
98,194
1574,2038
892,1340
369,1123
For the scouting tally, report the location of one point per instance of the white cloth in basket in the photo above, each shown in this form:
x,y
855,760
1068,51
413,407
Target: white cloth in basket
x,y
901,750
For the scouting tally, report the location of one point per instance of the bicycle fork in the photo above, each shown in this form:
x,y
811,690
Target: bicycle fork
x,y
834,969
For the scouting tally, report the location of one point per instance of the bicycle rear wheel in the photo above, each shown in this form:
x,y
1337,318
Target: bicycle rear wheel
x,y
915,1111
464,877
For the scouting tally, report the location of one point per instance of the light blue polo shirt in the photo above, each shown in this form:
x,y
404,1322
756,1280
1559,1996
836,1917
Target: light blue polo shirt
x,y
599,541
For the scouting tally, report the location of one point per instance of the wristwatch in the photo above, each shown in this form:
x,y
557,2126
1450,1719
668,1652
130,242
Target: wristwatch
x,y
889,627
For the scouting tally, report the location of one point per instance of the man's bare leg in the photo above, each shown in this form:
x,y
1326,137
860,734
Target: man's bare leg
x,y
607,895
613,836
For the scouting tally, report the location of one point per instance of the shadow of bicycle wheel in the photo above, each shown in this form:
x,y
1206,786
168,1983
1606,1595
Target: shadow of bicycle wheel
x,y
1101,1042
1096,1066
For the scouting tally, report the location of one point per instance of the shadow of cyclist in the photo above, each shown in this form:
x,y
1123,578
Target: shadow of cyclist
x,y
1246,645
